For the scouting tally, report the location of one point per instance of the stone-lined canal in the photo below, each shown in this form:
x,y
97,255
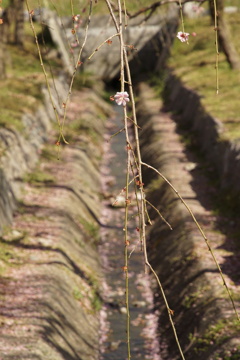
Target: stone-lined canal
x,y
144,343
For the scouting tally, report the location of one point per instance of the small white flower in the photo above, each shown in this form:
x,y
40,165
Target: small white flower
x,y
75,17
121,98
183,36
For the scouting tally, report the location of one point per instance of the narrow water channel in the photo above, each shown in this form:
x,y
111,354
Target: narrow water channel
x,y
144,338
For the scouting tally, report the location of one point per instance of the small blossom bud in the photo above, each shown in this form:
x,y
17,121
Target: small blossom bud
x,y
75,17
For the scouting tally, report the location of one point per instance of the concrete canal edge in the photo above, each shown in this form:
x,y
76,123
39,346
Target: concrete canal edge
x,y
50,271
203,315
207,131
54,259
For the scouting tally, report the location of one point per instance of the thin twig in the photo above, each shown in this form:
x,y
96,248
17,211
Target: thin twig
x,y
153,7
45,47
74,32
44,72
138,163
78,62
170,311
216,43
104,42
122,78
163,219
116,133
202,233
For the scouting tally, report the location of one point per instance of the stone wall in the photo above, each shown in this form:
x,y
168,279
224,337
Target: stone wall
x,y
50,272
20,150
150,40
224,155
180,256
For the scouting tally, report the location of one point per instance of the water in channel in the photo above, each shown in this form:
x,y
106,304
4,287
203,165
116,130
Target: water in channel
x,y
144,338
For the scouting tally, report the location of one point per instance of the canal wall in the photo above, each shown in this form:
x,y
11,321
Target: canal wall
x,y
51,282
201,309
221,153
20,150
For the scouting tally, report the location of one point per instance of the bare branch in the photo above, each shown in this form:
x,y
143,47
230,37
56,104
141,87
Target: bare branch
x,y
152,8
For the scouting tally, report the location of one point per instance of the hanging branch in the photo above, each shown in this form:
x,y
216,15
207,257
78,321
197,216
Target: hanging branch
x,y
201,232
153,7
142,213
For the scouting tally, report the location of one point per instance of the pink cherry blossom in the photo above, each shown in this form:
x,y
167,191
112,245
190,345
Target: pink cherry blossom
x,y
74,44
121,98
75,17
183,36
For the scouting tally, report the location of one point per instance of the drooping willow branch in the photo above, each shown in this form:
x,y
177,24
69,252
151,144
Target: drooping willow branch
x,y
30,12
77,64
138,161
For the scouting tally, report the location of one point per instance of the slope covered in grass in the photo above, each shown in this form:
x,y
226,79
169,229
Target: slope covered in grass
x,y
195,64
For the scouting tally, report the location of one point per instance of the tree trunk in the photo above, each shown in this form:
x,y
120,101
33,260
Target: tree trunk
x,y
19,22
2,61
227,45
3,39
224,35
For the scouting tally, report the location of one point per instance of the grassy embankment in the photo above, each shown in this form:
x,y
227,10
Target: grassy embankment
x,y
21,93
194,64
64,8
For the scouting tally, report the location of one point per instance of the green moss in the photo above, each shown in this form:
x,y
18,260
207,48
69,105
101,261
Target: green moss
x,y
11,120
17,97
39,177
96,302
6,253
155,185
84,80
77,294
91,229
9,257
49,153
20,92
82,127
217,334
192,298
157,81
80,292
